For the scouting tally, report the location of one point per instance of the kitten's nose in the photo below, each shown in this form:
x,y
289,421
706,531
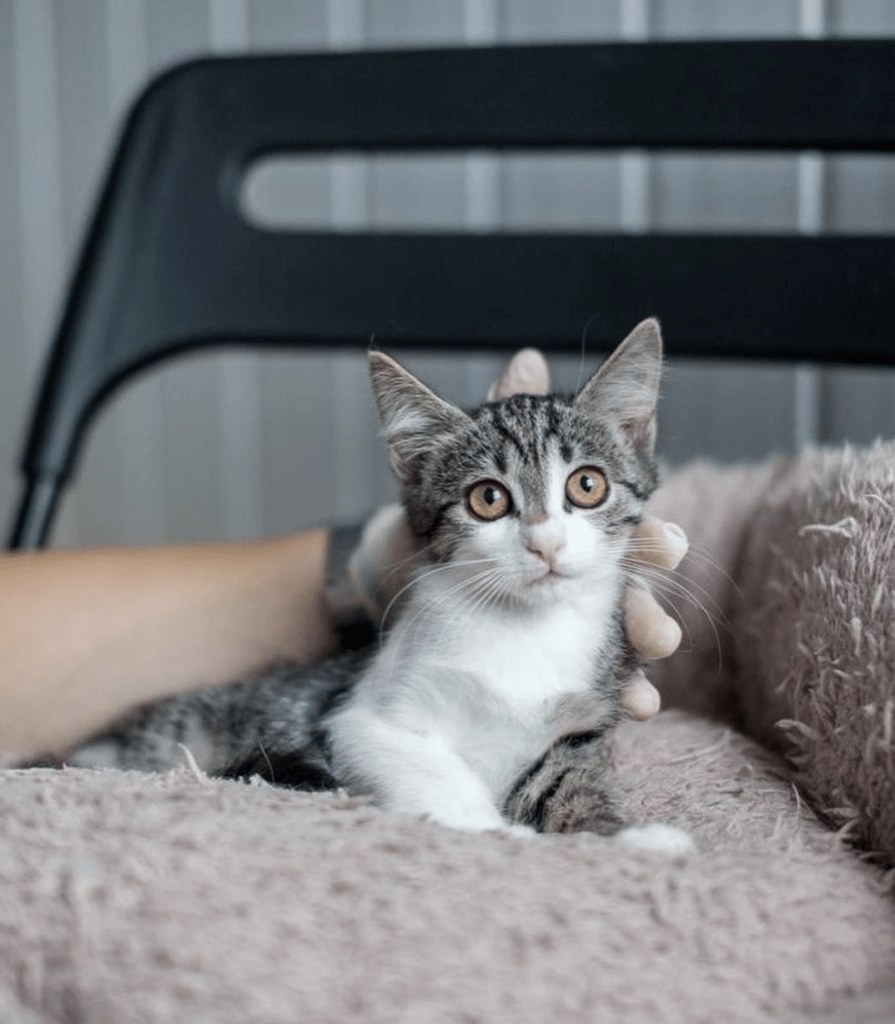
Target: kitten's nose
x,y
545,545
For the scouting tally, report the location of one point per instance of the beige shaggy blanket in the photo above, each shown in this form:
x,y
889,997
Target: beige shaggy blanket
x,y
156,899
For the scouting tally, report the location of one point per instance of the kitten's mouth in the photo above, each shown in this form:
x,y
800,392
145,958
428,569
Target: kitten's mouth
x,y
551,577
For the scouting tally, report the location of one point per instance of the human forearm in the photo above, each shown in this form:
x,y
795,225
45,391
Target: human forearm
x,y
87,635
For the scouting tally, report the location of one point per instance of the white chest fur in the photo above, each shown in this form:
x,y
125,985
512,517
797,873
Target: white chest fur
x,y
526,660
478,689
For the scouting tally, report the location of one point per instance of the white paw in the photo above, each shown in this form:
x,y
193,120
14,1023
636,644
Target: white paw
x,y
471,819
100,754
523,831
667,839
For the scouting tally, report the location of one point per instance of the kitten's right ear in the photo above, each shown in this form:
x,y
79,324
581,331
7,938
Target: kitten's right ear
x,y
411,413
626,387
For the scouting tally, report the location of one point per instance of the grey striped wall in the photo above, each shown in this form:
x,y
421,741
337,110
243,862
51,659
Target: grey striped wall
x,y
239,445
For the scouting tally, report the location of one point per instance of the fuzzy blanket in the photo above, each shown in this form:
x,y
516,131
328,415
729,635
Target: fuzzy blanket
x,y
133,898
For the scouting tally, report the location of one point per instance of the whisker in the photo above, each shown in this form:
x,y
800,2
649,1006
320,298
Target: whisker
x,y
430,571
469,582
695,552
685,588
681,582
489,589
670,588
705,557
402,563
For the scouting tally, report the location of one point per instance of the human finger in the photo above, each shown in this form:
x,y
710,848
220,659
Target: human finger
x,y
652,631
640,700
658,543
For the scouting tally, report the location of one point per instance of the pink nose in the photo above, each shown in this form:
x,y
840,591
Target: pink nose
x,y
546,546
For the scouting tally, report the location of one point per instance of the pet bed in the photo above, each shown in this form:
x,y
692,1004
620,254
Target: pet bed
x,y
179,897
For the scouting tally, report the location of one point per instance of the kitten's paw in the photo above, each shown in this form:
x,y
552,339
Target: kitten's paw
x,y
522,831
468,819
482,822
667,839
98,754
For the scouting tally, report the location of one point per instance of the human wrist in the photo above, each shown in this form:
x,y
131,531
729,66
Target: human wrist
x,y
349,605
367,568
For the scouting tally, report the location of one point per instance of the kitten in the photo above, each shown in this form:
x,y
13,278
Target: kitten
x,y
490,701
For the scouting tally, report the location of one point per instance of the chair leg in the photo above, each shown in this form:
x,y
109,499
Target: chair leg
x,y
37,508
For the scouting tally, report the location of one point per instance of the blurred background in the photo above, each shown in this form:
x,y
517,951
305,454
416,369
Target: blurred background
x,y
240,445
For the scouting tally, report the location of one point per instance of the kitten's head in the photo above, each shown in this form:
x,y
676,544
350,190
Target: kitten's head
x,y
534,494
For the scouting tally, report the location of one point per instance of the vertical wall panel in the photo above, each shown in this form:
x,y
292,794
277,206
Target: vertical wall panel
x,y
302,453
862,17
726,193
15,377
635,212
285,24
411,23
531,21
297,392
83,124
38,143
725,412
360,475
483,184
231,445
238,375
187,397
691,19
812,181
429,191
40,199
125,474
737,412
101,63
859,405
175,30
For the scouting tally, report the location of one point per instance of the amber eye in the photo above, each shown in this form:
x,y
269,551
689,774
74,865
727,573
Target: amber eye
x,y
587,487
488,500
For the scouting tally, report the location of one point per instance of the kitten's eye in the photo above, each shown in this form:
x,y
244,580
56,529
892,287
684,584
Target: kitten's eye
x,y
488,500
587,487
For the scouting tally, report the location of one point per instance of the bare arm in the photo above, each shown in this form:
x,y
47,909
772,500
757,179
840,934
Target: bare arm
x,y
87,635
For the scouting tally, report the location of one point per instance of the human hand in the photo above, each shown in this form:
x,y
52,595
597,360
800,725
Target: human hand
x,y
651,630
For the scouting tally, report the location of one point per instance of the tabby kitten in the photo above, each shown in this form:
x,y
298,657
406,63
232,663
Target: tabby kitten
x,y
489,701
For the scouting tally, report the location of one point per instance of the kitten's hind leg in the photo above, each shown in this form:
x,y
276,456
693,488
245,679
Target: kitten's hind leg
x,y
266,725
568,789
140,745
304,769
154,738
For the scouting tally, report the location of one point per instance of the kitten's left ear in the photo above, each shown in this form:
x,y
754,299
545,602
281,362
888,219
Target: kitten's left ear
x,y
411,414
626,387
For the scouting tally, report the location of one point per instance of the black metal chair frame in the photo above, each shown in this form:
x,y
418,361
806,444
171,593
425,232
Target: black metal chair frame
x,y
170,264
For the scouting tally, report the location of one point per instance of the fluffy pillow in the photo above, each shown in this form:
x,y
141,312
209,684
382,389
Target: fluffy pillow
x,y
790,622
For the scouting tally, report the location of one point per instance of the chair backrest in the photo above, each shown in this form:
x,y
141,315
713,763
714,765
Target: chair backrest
x,y
171,264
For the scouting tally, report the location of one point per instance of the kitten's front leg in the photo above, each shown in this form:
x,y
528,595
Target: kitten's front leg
x,y
409,771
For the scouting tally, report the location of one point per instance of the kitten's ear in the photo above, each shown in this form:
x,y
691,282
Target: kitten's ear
x,y
411,413
626,387
525,374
